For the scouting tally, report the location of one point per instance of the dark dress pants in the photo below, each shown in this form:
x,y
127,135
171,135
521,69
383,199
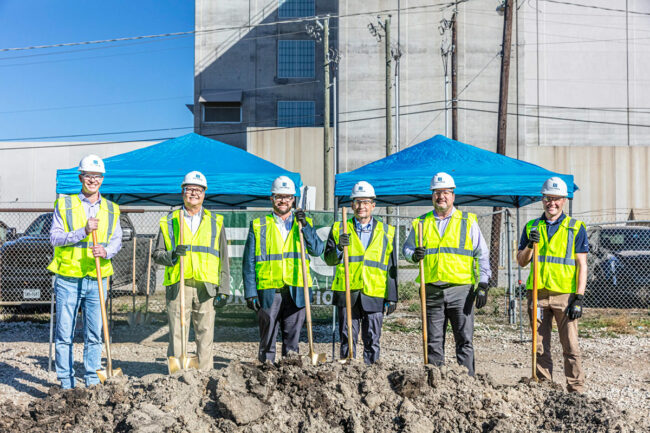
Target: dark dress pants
x,y
370,324
453,305
285,316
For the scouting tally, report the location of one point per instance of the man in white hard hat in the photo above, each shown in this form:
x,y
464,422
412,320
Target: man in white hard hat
x,y
75,218
207,271
562,276
373,272
453,243
272,271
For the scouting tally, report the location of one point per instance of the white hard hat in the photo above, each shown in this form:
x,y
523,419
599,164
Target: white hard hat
x,y
195,178
555,186
91,163
283,185
442,180
362,189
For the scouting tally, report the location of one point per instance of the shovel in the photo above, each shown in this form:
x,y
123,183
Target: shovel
x,y
146,317
184,362
314,358
534,319
131,317
423,300
109,372
348,297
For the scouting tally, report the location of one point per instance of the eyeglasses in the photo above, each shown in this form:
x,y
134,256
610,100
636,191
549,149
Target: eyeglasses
x,y
548,199
193,191
366,203
95,177
279,198
441,192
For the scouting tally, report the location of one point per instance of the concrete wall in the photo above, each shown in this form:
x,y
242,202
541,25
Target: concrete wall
x,y
28,173
246,59
295,149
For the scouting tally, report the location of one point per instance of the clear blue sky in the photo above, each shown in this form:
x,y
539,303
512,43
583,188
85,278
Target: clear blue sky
x,y
85,89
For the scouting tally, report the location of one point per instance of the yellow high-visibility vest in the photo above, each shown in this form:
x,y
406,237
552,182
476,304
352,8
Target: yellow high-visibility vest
x,y
77,260
277,261
449,258
202,261
368,268
557,257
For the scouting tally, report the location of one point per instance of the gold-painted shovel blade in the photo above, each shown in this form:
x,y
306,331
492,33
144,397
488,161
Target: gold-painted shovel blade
x,y
103,374
317,358
182,363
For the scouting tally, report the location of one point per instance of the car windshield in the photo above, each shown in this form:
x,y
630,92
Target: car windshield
x,y
626,240
40,227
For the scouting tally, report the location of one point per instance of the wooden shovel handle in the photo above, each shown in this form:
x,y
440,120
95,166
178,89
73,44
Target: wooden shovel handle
x,y
348,296
102,305
181,283
423,300
305,288
534,315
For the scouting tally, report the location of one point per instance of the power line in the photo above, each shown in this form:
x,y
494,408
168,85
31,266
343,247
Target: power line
x,y
95,134
596,7
459,93
241,27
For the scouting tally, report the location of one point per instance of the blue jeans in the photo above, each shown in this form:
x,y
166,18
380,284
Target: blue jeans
x,y
72,293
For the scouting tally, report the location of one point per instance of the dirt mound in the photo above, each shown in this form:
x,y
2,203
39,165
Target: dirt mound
x,y
295,397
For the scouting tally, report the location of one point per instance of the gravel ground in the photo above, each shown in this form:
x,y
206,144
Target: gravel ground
x,y
617,368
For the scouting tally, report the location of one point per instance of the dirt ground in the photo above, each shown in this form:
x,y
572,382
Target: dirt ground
x,y
617,368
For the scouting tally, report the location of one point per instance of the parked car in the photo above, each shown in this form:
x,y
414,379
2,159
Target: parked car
x,y
619,266
24,278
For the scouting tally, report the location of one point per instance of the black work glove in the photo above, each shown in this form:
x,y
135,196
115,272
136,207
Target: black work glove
x,y
389,307
575,308
419,254
220,300
344,241
180,250
253,304
299,214
481,295
533,238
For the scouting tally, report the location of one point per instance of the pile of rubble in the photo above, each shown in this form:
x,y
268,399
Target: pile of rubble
x,y
332,397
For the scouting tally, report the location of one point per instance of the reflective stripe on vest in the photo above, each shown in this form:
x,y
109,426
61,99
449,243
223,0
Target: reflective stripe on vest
x,y
202,261
557,260
368,267
450,258
77,260
277,261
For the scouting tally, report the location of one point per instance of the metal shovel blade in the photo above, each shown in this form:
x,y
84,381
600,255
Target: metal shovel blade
x,y
317,358
103,374
132,319
182,363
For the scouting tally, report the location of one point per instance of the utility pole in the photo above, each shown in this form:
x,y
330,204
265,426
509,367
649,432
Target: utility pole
x,y
446,48
389,89
454,77
330,59
501,133
327,170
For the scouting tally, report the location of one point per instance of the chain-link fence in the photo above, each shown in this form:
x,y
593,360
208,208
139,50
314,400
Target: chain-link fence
x,y
619,259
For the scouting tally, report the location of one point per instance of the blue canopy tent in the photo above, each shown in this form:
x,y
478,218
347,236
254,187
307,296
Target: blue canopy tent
x,y
153,175
482,178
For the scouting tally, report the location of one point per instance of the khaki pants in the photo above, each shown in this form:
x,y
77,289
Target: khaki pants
x,y
550,305
198,305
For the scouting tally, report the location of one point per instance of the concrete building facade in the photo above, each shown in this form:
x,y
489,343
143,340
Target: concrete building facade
x,y
577,100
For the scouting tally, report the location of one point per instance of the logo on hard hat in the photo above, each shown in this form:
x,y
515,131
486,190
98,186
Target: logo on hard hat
x,y
95,162
284,184
198,176
555,185
360,188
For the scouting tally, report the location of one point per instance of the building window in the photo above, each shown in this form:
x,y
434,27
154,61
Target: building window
x,y
222,112
296,113
296,8
296,59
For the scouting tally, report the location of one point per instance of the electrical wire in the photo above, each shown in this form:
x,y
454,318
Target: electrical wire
x,y
602,8
443,6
